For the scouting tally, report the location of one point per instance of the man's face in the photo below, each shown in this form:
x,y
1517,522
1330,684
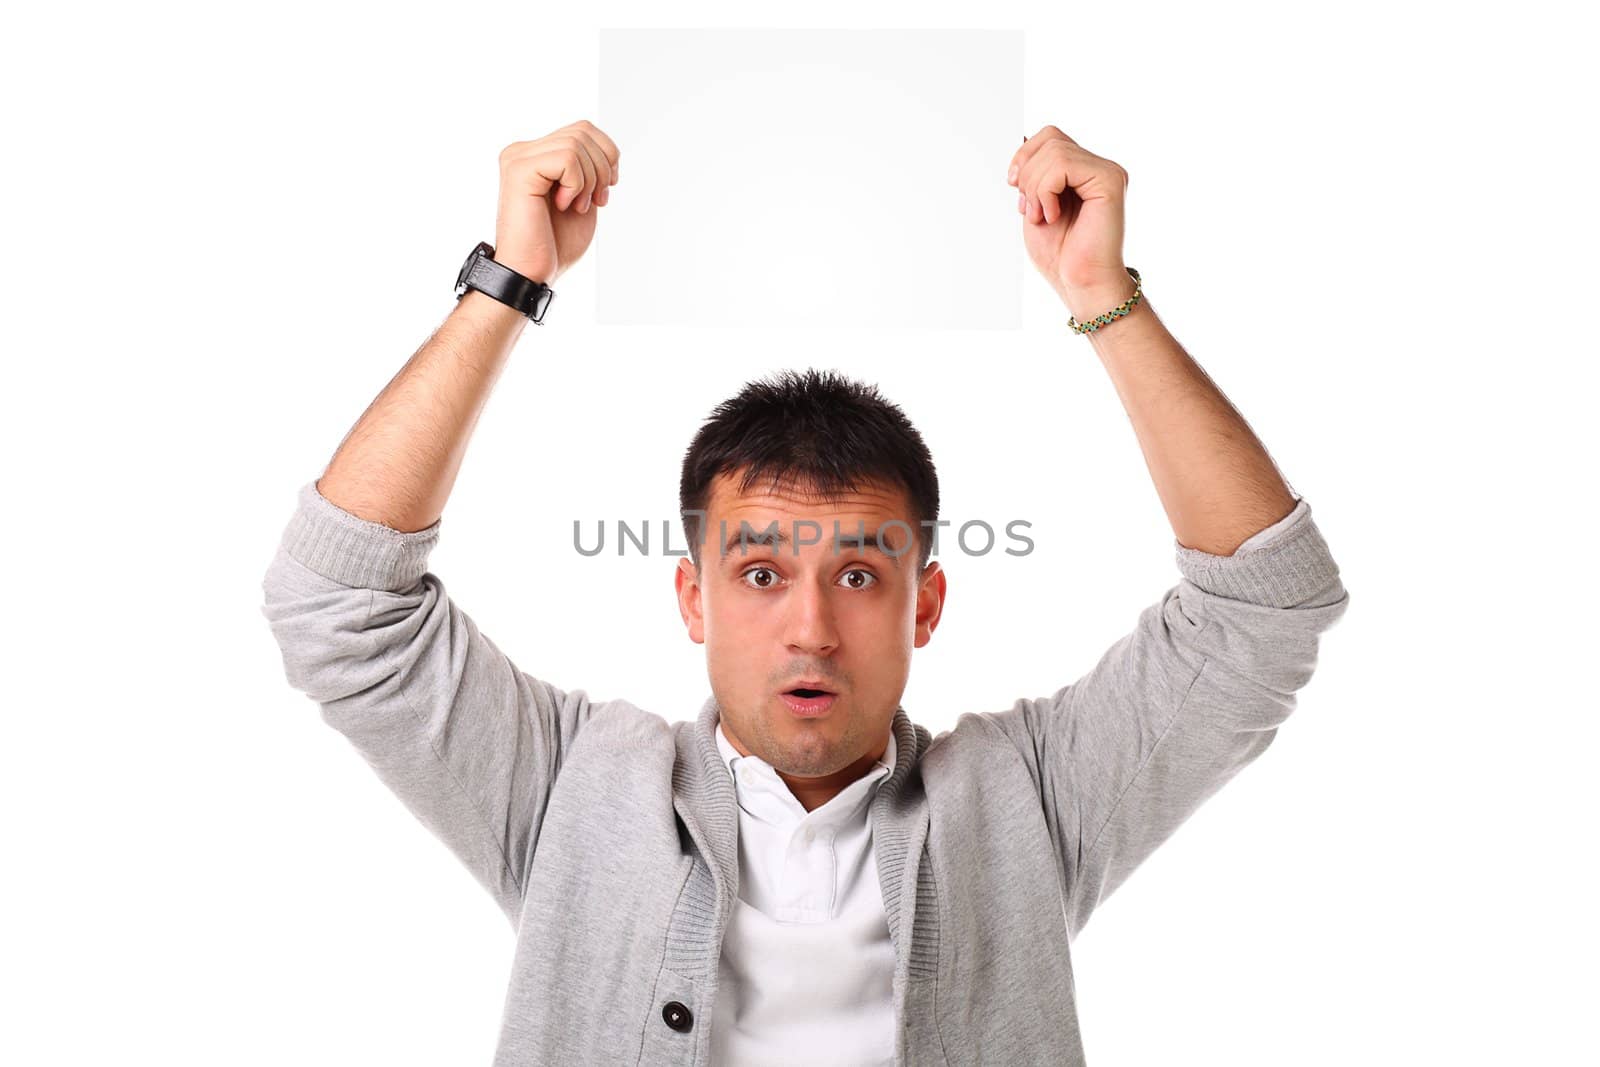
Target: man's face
x,y
774,616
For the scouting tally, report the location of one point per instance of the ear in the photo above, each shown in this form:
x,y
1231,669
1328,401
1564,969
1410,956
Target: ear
x,y
687,584
930,602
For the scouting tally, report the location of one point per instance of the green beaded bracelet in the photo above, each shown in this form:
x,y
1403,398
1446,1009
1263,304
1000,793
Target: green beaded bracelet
x,y
1115,313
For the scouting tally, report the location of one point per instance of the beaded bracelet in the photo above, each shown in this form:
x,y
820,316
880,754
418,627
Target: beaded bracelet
x,y
1115,313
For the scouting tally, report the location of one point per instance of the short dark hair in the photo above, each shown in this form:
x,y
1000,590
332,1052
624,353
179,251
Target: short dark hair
x,y
813,428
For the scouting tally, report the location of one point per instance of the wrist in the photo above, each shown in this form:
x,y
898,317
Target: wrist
x,y
1097,297
534,268
530,255
485,311
500,284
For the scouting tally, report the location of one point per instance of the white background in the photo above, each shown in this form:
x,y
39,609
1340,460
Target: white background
x,y
225,230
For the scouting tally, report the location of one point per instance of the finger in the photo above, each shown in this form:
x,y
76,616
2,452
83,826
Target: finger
x,y
587,165
608,148
1064,170
603,156
599,168
1029,181
574,176
1032,211
1030,148
549,167
577,174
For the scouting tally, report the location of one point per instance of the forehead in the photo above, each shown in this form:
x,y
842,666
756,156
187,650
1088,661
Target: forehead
x,y
862,511
795,500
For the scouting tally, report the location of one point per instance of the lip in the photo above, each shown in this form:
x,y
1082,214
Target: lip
x,y
808,707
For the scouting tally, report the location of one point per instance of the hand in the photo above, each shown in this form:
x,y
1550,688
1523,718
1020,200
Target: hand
x,y
1072,202
539,233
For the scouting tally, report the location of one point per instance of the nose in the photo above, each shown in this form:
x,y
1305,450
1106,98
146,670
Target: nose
x,y
808,624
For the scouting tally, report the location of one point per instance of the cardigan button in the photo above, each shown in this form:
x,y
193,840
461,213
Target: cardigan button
x,y
677,1016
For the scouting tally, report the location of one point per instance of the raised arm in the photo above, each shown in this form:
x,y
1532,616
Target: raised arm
x,y
1215,479
399,463
467,741
1197,690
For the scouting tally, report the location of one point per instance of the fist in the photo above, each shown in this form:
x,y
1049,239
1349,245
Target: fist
x,y
1071,201
549,192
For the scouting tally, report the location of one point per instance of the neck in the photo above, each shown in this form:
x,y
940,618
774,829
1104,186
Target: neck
x,y
813,792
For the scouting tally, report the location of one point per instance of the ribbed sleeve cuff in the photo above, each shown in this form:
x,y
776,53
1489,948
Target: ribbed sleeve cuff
x,y
354,551
1293,566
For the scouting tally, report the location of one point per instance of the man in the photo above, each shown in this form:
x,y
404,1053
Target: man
x,y
801,873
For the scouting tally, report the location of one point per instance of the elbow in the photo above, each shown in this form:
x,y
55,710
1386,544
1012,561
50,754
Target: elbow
x,y
1257,658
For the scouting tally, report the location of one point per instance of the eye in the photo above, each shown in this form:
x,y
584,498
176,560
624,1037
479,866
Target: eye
x,y
872,578
865,579
759,570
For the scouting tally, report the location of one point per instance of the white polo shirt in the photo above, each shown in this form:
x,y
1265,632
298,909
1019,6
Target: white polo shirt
x,y
807,967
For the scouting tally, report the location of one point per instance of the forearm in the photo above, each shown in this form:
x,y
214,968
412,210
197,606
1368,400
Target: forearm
x,y
1215,479
399,462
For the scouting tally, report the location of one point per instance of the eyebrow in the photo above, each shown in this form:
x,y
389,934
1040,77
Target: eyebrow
x,y
764,537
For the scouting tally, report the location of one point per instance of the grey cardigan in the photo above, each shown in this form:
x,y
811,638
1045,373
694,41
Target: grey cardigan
x,y
608,835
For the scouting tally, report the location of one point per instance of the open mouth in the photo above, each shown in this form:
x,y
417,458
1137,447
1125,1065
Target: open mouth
x,y
808,700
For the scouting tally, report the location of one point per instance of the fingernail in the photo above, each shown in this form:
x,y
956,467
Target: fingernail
x,y
1021,203
1011,175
